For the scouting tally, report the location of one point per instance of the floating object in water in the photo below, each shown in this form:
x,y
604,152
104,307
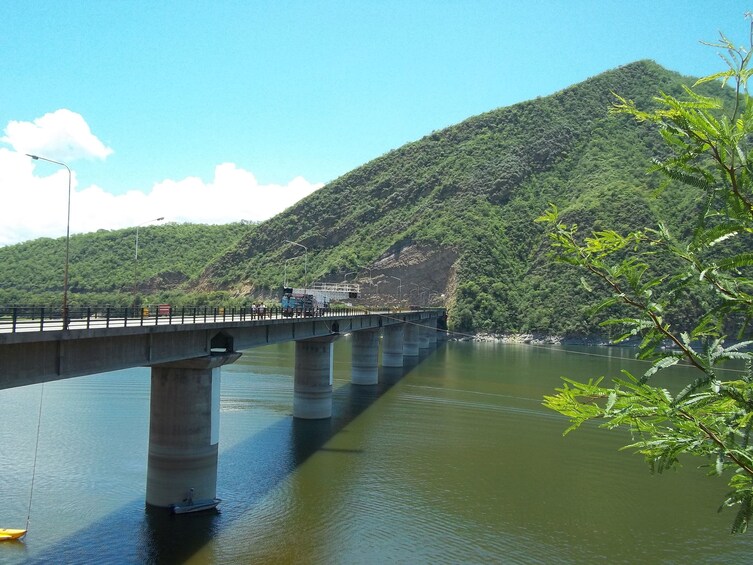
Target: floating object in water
x,y
195,506
11,534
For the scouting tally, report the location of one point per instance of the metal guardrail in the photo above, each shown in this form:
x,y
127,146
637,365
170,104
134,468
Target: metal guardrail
x,y
35,318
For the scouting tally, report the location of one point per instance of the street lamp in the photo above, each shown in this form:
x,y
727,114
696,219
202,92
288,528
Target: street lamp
x,y
399,288
285,272
418,292
368,269
305,261
136,258
67,237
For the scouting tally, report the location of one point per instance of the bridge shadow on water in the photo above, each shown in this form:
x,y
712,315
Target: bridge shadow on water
x,y
247,473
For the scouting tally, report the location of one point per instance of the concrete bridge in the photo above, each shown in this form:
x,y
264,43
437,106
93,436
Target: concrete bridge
x,y
185,357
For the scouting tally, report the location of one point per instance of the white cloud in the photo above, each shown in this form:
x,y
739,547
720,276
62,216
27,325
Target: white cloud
x,y
63,134
35,206
39,204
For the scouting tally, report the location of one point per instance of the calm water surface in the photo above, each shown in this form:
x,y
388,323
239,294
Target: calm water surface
x,y
455,461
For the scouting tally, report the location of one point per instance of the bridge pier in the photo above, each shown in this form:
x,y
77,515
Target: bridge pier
x,y
392,345
184,431
410,343
365,357
432,332
312,386
423,334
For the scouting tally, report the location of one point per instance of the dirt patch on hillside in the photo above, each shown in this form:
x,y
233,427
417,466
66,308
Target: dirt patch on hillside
x,y
426,277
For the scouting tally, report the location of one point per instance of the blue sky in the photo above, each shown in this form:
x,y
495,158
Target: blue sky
x,y
221,111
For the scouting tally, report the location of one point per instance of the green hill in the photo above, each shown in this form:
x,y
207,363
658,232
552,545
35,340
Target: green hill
x,y
450,215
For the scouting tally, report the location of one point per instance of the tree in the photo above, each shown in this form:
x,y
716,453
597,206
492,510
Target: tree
x,y
710,146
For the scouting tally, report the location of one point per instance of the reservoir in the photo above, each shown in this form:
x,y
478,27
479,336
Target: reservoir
x,y
453,460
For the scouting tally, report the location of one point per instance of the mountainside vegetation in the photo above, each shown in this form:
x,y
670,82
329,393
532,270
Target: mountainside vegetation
x,y
104,268
446,220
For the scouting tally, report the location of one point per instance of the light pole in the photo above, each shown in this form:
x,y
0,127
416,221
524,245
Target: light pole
x,y
67,237
136,259
418,292
285,273
305,261
399,288
368,269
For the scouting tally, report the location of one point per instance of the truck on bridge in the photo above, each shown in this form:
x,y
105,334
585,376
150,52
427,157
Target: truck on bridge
x,y
315,300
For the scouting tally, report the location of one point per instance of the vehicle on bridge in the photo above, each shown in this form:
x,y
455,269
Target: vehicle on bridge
x,y
316,299
299,304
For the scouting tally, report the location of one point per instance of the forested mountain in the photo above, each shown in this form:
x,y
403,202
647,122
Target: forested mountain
x,y
104,268
450,215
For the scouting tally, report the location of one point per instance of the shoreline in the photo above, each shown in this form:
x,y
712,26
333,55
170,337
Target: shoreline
x,y
535,339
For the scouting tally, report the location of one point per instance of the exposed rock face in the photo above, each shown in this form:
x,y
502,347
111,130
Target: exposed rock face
x,y
425,274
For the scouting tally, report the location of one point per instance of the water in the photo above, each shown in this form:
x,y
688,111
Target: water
x,y
454,462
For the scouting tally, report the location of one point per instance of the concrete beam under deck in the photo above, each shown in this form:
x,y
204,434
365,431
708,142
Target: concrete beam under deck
x,y
34,357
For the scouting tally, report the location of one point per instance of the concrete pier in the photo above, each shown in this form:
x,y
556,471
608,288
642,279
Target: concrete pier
x,y
423,334
365,357
431,332
392,345
312,387
410,343
184,430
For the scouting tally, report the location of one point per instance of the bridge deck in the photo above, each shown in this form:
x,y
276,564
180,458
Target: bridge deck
x,y
33,352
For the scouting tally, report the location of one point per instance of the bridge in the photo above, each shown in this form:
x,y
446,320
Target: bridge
x,y
185,350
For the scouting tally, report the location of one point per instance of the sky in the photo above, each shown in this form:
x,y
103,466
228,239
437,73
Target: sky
x,y
222,111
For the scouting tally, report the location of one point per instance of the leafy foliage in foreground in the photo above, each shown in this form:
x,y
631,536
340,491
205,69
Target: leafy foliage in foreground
x,y
709,150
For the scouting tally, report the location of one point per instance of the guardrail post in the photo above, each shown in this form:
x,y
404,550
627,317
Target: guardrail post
x,y
88,317
107,317
41,318
15,318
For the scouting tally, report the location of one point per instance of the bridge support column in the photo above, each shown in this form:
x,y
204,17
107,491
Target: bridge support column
x,y
431,331
184,430
312,387
392,345
365,357
423,334
410,345
442,329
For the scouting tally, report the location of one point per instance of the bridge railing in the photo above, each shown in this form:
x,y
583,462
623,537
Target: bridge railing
x,y
39,318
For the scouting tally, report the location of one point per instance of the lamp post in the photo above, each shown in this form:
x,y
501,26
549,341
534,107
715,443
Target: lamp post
x,y
399,288
418,292
305,261
136,259
368,269
285,272
67,237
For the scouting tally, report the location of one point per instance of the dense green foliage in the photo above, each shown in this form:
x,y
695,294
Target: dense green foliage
x,y
656,274
103,267
452,213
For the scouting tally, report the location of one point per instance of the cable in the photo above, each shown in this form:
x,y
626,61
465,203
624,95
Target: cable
x,y
36,450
